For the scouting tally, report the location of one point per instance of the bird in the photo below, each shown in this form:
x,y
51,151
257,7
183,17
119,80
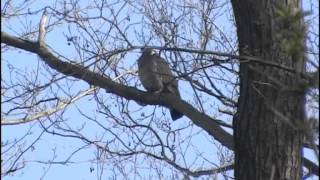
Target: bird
x,y
156,77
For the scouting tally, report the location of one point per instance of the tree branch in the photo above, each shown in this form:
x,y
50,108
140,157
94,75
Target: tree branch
x,y
168,100
202,120
42,26
313,78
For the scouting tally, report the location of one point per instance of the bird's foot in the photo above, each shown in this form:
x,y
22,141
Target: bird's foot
x,y
159,91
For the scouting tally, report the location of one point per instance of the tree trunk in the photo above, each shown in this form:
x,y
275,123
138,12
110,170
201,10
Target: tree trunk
x,y
268,143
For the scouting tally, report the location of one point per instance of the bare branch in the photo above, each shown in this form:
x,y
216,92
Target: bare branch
x,y
42,27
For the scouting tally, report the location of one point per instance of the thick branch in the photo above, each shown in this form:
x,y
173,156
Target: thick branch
x,y
130,93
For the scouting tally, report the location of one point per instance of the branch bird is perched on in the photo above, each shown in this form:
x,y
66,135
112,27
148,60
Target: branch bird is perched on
x,y
156,76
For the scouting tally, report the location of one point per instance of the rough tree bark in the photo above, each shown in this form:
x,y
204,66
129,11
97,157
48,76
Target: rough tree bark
x,y
267,146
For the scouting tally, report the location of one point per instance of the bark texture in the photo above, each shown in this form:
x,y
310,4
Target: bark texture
x,y
268,144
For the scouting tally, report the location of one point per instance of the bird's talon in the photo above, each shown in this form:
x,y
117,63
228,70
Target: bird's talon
x,y
158,92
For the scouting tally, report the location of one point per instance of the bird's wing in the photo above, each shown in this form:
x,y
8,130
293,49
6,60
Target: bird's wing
x,y
166,75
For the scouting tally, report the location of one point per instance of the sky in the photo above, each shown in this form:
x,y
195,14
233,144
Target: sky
x,y
63,147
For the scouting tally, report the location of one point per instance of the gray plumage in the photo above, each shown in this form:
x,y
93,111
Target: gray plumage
x,y
156,76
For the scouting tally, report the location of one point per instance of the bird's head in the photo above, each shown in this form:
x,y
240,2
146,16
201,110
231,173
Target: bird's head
x,y
147,51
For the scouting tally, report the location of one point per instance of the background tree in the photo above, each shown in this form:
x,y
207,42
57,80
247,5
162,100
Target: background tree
x,y
77,103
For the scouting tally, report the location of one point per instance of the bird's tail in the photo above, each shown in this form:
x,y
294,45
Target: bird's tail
x,y
175,114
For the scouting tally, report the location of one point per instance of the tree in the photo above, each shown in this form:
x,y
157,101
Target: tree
x,y
264,86
271,120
